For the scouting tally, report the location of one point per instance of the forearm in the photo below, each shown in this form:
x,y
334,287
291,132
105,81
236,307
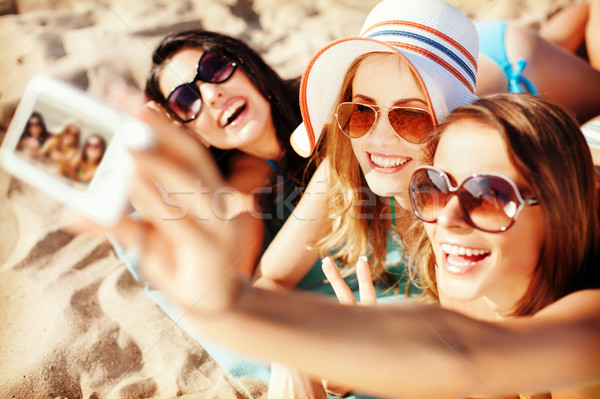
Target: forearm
x,y
384,351
290,255
411,350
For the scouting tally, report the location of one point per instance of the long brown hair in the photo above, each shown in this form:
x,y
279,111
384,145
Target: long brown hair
x,y
548,149
360,219
290,173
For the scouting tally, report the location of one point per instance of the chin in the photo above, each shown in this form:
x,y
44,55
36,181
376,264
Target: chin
x,y
384,189
451,289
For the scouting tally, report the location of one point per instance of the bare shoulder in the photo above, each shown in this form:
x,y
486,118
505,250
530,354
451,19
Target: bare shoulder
x,y
584,304
587,392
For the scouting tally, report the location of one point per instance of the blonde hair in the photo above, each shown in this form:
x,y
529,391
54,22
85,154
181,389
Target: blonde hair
x,y
360,219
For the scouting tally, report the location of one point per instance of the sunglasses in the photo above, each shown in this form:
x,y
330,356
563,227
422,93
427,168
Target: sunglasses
x,y
488,202
184,102
412,124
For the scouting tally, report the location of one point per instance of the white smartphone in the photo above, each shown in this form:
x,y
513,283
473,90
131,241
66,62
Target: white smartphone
x,y
72,147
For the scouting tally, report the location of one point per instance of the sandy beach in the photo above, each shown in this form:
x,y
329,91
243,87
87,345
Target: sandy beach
x,y
74,322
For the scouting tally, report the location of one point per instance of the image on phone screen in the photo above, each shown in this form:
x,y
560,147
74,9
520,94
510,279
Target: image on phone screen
x,y
66,145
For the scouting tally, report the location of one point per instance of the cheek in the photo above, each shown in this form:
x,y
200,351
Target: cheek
x,y
358,152
417,153
430,230
202,127
521,252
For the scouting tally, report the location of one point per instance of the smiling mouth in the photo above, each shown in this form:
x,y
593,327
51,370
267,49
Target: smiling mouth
x,y
388,162
459,257
231,113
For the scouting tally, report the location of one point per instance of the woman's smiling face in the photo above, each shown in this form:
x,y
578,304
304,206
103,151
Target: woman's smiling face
x,y
472,263
234,113
387,160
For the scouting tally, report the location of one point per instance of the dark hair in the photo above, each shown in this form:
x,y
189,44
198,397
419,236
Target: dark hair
x,y
546,146
44,135
102,145
282,96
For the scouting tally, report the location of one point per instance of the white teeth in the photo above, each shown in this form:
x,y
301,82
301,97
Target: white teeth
x,y
453,262
388,162
456,250
230,111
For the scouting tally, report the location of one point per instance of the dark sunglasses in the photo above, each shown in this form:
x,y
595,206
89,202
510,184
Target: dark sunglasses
x,y
184,102
412,124
488,202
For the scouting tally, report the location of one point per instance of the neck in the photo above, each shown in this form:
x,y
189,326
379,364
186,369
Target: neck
x,y
501,310
267,146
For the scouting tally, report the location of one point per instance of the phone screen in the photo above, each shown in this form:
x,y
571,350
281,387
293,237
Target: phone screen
x,y
67,145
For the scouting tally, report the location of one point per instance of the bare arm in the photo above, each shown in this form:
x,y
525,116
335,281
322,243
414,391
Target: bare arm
x,y
410,350
416,350
288,258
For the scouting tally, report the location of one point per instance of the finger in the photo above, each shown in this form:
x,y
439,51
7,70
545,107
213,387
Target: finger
x,y
136,236
366,289
176,217
177,147
172,174
341,289
157,265
170,140
75,223
160,110
335,389
177,201
126,231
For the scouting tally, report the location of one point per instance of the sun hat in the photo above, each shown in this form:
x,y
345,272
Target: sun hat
x,y
439,42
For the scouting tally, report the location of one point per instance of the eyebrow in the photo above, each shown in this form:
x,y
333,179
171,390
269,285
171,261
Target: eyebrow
x,y
399,102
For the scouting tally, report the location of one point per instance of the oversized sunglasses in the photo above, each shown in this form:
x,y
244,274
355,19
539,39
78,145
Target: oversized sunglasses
x,y
184,102
412,124
488,202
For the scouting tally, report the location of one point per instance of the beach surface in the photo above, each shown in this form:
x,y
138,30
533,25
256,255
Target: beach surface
x,y
73,321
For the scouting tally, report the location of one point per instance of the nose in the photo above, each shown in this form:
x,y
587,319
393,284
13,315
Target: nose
x,y
382,133
451,215
211,93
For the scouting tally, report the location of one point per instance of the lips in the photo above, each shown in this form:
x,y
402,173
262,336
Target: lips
x,y
232,112
460,260
387,163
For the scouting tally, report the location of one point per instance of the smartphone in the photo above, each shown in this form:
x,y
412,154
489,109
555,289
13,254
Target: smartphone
x,y
73,147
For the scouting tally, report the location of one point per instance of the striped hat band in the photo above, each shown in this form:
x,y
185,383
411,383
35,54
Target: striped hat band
x,y
437,41
428,42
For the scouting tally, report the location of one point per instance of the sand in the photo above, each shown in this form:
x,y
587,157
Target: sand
x,y
74,323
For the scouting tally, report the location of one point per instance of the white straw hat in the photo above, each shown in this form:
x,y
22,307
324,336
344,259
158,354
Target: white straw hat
x,y
438,41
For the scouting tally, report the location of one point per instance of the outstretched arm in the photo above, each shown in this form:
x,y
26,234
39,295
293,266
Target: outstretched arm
x,y
414,350
411,350
289,256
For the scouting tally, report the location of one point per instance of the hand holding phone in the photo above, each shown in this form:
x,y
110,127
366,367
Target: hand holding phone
x,y
73,148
